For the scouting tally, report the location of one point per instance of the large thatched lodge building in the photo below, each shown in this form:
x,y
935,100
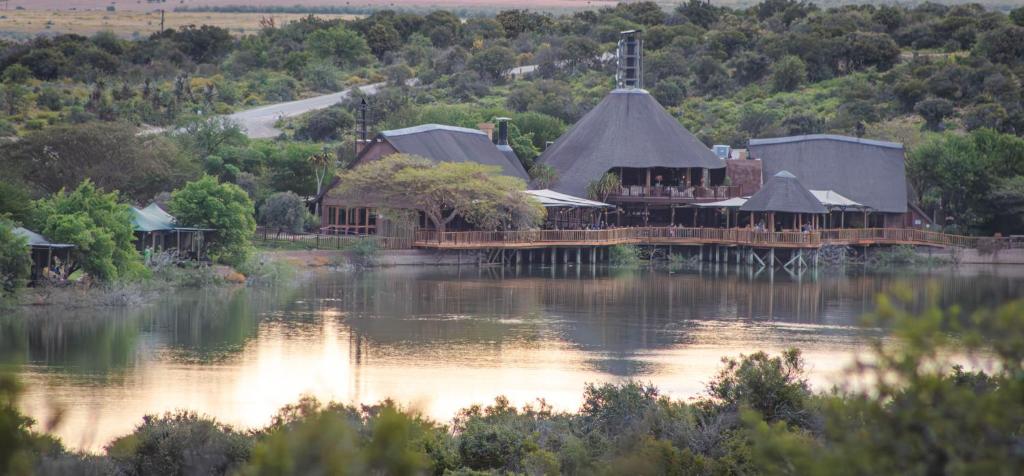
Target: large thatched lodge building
x,y
663,175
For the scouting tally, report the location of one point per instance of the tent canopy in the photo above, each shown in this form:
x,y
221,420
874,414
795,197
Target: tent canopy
x,y
784,193
151,218
553,199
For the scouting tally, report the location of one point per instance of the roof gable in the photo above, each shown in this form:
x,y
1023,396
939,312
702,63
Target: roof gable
x,y
783,193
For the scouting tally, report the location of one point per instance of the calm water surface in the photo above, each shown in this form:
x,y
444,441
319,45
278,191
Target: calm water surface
x,y
442,339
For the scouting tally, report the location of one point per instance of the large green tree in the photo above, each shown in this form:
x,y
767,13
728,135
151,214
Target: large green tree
x,y
974,178
112,155
225,208
442,191
100,227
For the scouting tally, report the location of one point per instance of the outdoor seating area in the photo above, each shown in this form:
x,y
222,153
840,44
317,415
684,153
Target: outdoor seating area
x,y
51,262
156,231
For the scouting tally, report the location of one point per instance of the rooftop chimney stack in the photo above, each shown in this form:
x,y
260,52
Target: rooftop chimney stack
x,y
362,141
502,138
630,60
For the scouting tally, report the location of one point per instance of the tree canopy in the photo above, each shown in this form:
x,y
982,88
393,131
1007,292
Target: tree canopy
x,y
224,207
98,224
15,263
478,193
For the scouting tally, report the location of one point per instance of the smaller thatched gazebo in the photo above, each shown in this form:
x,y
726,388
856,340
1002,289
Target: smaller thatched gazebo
x,y
784,194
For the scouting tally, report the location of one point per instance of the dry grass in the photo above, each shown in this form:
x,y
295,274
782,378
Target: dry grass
x,y
22,23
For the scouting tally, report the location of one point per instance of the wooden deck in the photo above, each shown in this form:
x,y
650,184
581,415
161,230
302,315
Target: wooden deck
x,y
535,239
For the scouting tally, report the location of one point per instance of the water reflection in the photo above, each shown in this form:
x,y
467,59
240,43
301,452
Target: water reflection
x,y
441,339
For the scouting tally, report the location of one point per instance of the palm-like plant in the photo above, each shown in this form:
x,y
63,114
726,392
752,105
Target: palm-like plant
x,y
601,188
320,163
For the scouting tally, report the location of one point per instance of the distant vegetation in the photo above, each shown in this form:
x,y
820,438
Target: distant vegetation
x,y
919,74
911,411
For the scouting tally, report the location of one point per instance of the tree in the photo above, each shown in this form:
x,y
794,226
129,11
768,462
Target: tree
x,y
344,47
98,225
1004,45
934,110
114,156
15,202
15,261
320,162
543,175
205,135
284,211
224,207
963,175
604,186
442,191
788,74
516,22
1017,16
493,62
14,98
327,124
382,38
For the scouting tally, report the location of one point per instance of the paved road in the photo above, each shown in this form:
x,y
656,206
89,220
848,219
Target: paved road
x,y
259,122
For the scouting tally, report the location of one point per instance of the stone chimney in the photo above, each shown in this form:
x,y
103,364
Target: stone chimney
x,y
488,129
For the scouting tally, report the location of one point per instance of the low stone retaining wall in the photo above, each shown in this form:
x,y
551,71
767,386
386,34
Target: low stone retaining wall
x,y
972,256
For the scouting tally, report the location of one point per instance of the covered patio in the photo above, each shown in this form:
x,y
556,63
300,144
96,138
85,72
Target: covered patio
x,y
566,212
50,261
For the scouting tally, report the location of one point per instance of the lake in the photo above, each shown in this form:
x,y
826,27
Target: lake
x,y
440,339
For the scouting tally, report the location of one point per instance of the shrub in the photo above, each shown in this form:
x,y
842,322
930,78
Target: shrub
x,y
180,443
624,255
15,263
325,125
284,211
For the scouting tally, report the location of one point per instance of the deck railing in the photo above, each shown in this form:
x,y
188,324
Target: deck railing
x,y
682,235
720,192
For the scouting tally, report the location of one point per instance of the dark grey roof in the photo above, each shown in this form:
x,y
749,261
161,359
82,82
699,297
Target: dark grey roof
x,y
627,129
783,193
867,171
509,154
453,144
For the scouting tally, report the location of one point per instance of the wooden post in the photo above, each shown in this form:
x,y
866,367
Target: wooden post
x,y
579,257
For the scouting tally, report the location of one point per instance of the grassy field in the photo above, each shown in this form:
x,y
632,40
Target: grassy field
x,y
28,23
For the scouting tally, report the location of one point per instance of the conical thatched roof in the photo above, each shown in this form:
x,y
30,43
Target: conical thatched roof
x,y
627,129
783,193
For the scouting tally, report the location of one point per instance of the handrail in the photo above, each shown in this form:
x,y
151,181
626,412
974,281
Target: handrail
x,y
668,235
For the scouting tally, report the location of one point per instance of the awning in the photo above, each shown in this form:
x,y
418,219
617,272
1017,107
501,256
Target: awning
x,y
834,200
39,241
734,202
553,199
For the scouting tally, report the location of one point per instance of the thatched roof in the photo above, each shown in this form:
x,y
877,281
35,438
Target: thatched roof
x,y
626,129
783,193
869,172
443,143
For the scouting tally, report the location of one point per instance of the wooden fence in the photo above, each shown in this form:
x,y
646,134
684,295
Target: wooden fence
x,y
681,235
333,242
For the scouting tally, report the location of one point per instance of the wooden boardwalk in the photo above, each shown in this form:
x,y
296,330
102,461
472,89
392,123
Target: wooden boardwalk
x,y
537,239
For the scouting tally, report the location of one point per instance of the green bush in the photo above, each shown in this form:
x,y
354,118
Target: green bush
x,y
624,255
99,226
224,207
15,261
180,443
